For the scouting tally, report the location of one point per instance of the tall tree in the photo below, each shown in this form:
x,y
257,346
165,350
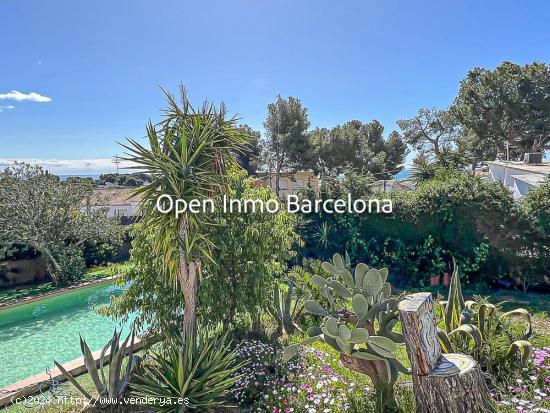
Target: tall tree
x,y
506,106
430,131
40,211
250,155
359,148
189,155
287,146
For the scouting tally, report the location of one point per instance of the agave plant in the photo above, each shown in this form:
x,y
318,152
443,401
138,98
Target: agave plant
x,y
109,386
190,377
364,337
483,324
287,306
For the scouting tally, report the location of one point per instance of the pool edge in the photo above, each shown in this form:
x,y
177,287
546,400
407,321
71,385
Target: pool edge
x,y
31,385
77,287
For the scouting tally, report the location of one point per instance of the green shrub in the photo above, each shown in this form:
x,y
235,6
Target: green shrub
x,y
454,214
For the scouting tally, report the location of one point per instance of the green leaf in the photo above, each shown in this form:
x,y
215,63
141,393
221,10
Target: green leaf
x,y
521,313
366,356
444,342
485,310
522,349
314,331
331,341
338,261
344,333
380,351
340,289
331,269
360,272
342,345
386,290
372,283
315,308
319,281
69,377
332,327
360,306
471,331
383,342
347,277
383,274
359,336
293,349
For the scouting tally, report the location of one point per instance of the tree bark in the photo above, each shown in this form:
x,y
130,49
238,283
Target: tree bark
x,y
452,383
377,372
56,272
457,385
189,290
187,278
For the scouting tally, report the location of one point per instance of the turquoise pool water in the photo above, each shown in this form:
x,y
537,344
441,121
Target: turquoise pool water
x,y
33,335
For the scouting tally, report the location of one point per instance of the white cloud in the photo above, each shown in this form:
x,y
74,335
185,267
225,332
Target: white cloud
x,y
76,166
8,107
21,97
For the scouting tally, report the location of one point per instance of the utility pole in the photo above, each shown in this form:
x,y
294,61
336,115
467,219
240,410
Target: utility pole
x,y
116,161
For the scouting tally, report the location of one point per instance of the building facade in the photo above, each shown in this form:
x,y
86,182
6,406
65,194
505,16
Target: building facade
x,y
519,177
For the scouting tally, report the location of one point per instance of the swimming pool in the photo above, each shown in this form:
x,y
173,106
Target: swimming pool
x,y
33,335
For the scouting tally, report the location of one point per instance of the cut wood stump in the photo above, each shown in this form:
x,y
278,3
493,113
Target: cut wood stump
x,y
448,383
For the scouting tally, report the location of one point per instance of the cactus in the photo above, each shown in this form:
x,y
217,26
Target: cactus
x,y
116,384
364,337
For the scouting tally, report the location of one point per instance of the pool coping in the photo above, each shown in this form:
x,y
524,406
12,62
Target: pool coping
x,y
32,299
41,381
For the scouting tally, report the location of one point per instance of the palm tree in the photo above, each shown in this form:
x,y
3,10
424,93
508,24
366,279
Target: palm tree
x,y
191,151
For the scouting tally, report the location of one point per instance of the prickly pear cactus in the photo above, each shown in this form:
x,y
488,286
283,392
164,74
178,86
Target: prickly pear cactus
x,y
365,333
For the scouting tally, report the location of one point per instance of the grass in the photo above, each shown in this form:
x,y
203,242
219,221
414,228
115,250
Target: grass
x,y
34,290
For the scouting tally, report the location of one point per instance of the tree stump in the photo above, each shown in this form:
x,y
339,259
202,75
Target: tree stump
x,y
449,383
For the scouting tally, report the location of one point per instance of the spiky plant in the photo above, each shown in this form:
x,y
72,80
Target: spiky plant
x,y
364,337
194,378
287,306
110,387
482,329
188,157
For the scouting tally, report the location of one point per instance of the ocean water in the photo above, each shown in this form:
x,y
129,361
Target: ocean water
x,y
64,177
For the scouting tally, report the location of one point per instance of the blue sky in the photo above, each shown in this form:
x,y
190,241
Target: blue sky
x,y
100,62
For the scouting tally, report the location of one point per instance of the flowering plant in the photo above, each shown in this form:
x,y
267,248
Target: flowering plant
x,y
530,392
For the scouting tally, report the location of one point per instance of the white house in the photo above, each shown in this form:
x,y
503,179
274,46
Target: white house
x,y
117,201
518,176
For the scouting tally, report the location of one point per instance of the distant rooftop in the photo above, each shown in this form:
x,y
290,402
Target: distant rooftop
x,y
113,196
541,168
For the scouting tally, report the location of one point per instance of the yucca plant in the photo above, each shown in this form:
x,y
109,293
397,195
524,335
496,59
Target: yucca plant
x,y
364,337
188,156
479,327
191,377
110,387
